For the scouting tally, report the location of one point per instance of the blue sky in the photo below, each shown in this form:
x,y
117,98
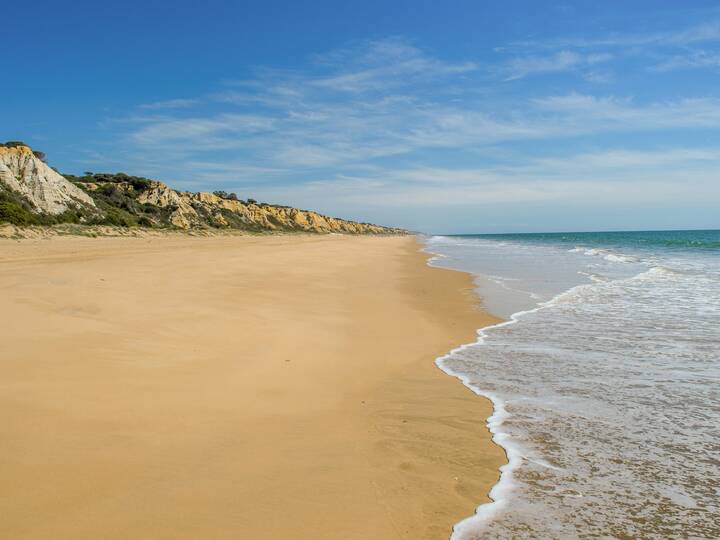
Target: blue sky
x,y
455,116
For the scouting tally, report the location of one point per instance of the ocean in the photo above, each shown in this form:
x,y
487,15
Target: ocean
x,y
605,379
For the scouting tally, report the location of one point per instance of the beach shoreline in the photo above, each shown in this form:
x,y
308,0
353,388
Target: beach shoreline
x,y
276,386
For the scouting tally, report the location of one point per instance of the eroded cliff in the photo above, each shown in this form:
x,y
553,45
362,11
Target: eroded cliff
x,y
43,188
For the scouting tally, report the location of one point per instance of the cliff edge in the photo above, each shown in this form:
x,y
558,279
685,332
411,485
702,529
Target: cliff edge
x,y
43,188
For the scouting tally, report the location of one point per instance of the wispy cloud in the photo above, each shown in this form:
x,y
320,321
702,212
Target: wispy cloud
x,y
602,114
200,132
700,33
382,64
560,61
178,103
694,59
313,130
662,177
388,97
685,48
598,77
640,177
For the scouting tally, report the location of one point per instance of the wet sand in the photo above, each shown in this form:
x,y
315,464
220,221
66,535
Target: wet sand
x,y
235,387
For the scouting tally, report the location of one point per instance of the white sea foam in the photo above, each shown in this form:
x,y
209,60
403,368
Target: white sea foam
x,y
500,492
620,355
606,254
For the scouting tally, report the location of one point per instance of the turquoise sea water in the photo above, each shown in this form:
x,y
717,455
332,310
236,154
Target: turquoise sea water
x,y
605,380
671,240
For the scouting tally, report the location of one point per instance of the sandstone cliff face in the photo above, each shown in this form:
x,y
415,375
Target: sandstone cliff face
x,y
196,209
46,190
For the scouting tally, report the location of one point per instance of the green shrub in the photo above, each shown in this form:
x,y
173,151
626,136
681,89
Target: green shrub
x,y
11,212
16,210
14,144
226,195
140,184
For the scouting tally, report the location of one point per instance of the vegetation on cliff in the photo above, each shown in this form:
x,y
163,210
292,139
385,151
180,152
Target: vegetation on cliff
x,y
15,209
16,144
122,200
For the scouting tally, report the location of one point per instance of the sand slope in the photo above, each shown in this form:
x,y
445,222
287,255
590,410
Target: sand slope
x,y
231,387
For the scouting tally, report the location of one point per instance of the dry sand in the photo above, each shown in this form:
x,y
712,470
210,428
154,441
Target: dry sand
x,y
235,387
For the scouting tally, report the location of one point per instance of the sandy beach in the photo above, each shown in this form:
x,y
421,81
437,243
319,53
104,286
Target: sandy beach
x,y
236,387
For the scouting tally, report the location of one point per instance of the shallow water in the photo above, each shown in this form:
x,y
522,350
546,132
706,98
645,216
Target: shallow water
x,y
606,382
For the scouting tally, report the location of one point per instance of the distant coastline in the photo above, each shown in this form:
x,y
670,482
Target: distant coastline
x,y
34,194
